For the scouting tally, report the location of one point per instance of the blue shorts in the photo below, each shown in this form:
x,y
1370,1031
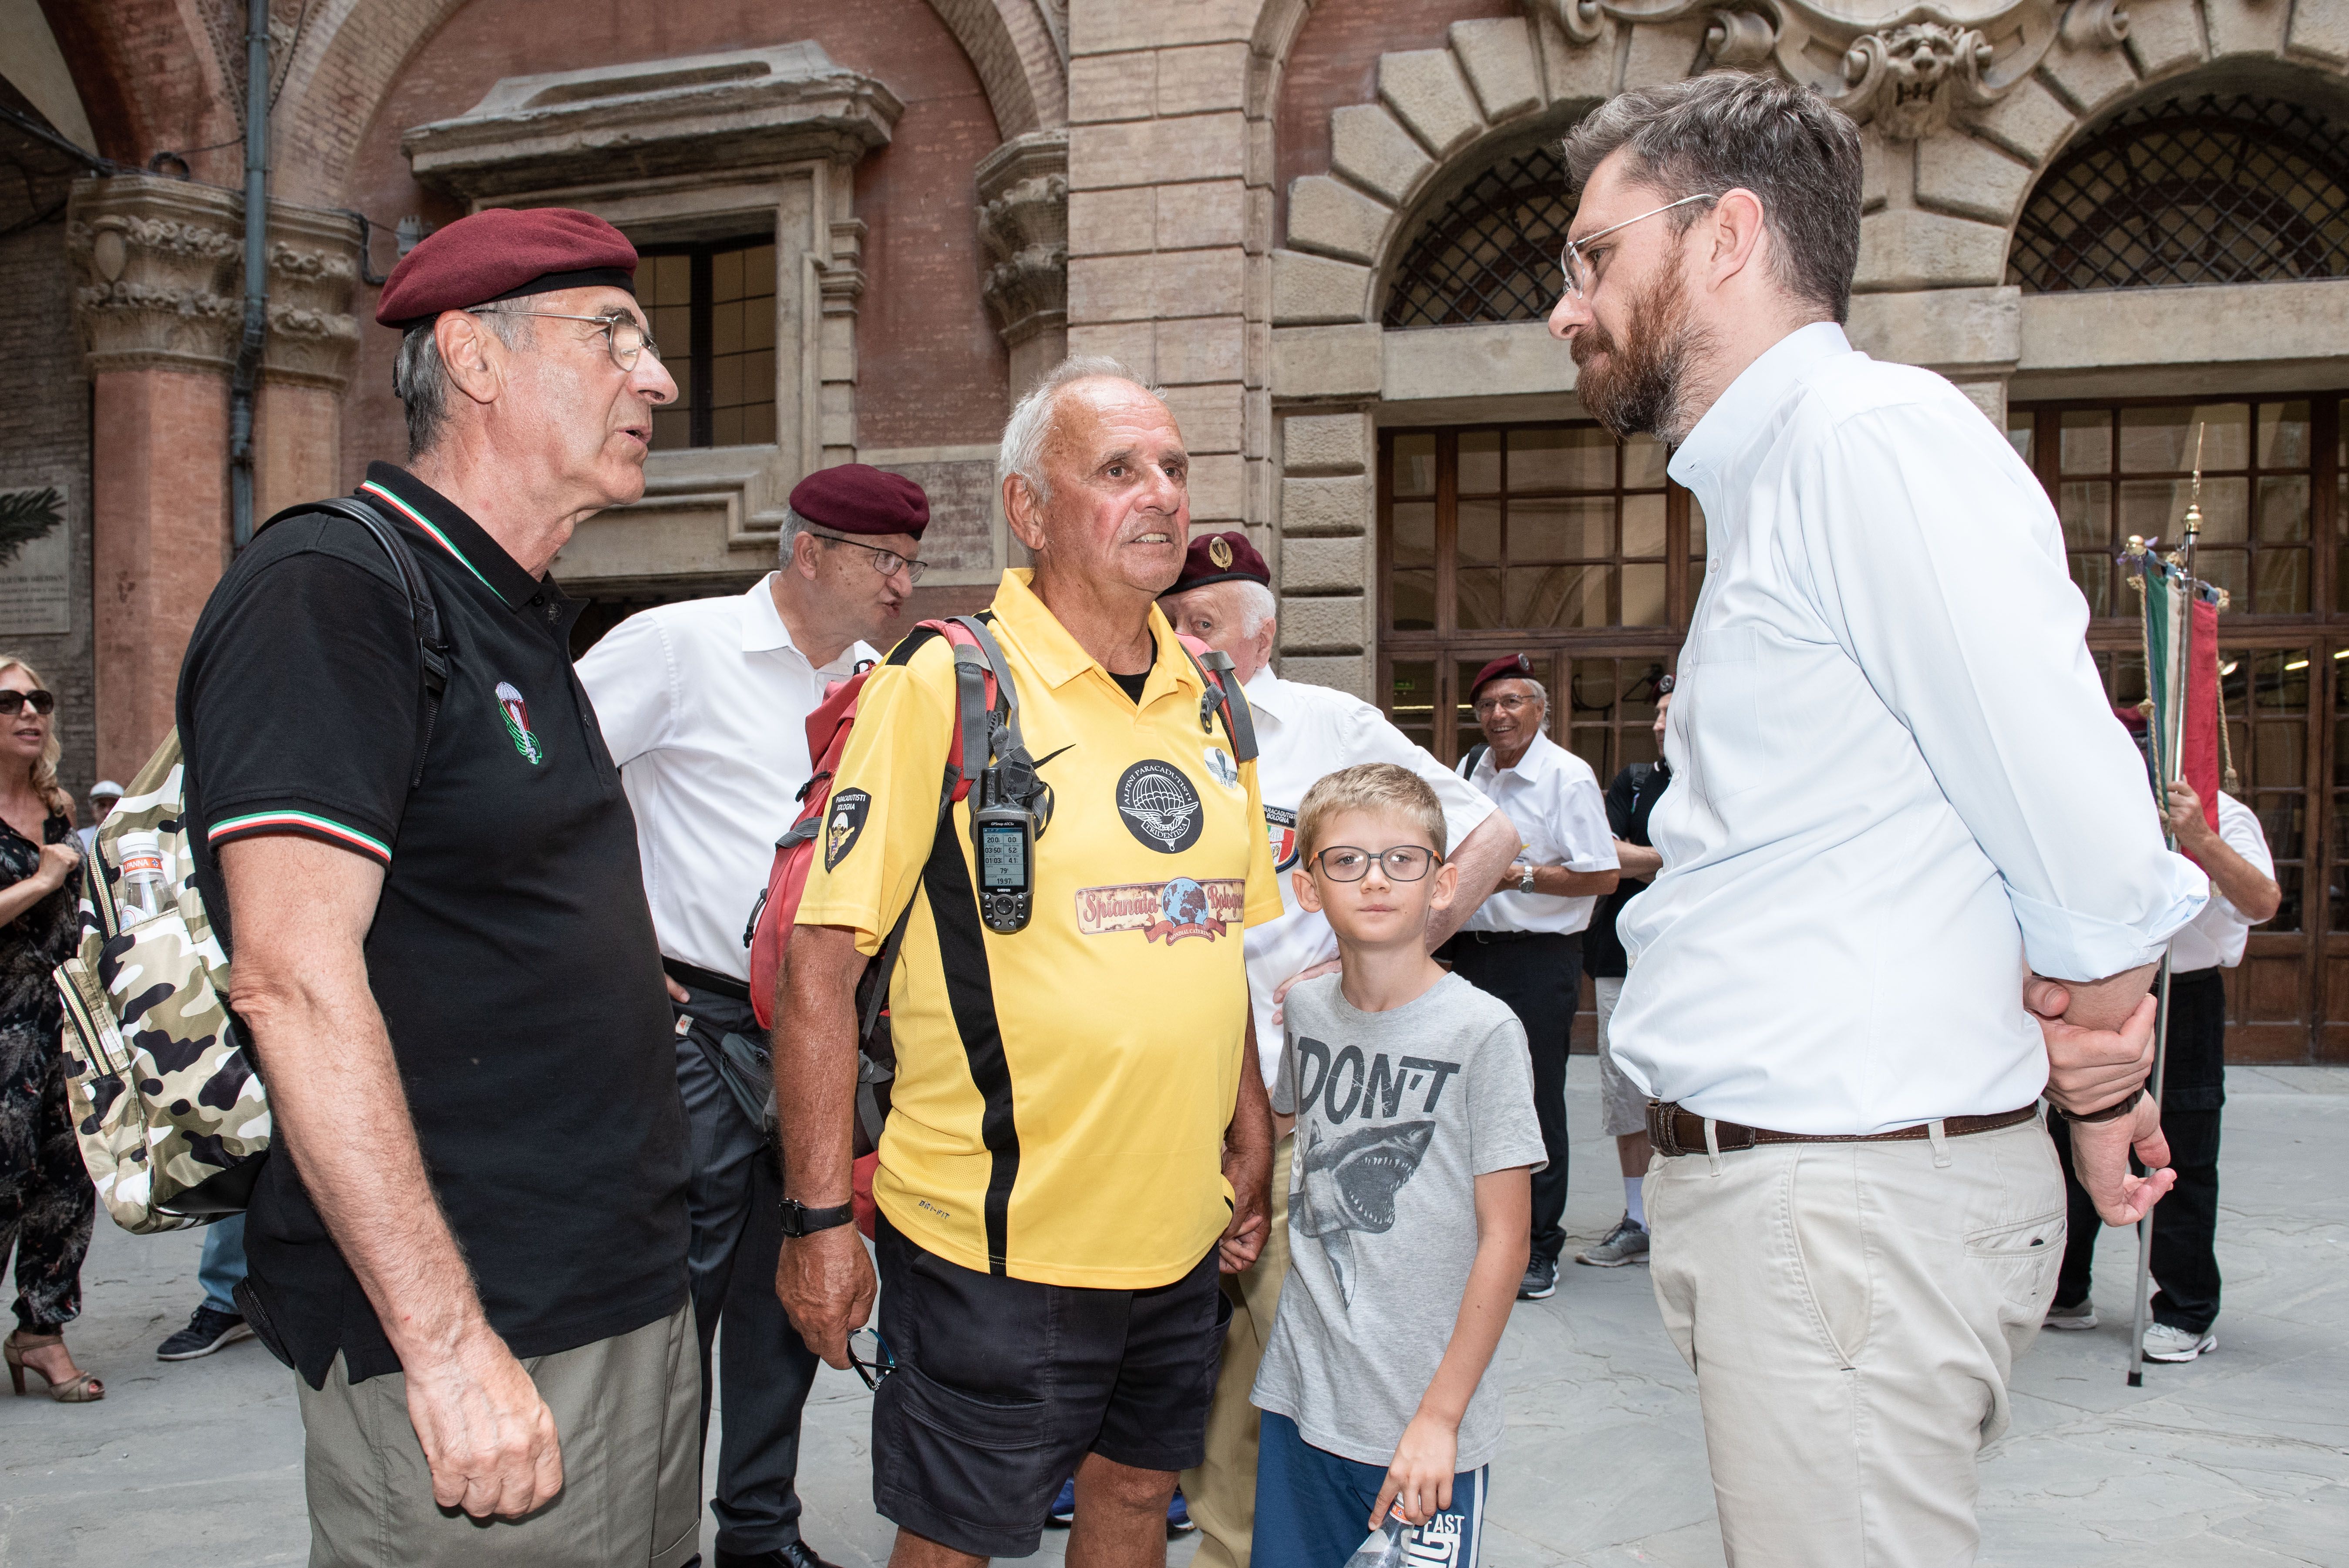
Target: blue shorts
x,y
1313,1508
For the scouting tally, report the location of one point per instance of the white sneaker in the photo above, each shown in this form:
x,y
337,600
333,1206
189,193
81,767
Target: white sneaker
x,y
2163,1343
2082,1314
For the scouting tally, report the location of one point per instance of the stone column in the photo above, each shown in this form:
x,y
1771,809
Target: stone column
x,y
1023,231
1160,270
158,311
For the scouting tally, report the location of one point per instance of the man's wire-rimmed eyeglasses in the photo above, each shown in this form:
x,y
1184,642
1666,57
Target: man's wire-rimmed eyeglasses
x,y
887,563
626,336
1404,863
870,1356
1574,260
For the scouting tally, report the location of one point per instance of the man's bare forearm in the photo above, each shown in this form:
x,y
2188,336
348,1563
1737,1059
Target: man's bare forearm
x,y
300,909
1481,858
815,1049
1640,862
2106,1003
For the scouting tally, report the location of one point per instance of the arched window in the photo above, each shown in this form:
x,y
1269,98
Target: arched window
x,y
2207,190
1491,253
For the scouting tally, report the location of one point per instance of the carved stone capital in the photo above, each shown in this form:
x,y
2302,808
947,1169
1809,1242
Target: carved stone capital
x,y
1023,233
313,339
161,280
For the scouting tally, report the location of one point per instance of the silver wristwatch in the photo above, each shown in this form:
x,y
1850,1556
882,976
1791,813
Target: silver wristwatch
x,y
1525,880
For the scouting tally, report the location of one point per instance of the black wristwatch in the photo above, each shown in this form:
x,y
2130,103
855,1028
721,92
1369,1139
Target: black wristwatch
x,y
2112,1112
799,1219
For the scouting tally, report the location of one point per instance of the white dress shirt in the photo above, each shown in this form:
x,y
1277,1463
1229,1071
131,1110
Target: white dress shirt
x,y
2214,939
704,706
1302,733
1895,774
1554,799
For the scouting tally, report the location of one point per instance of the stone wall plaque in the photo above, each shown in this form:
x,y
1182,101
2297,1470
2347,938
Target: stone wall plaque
x,y
959,544
36,563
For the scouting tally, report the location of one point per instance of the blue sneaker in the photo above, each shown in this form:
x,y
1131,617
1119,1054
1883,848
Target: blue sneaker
x,y
1064,1507
1178,1516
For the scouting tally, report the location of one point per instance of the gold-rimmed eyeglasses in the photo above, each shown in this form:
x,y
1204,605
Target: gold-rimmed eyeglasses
x,y
1574,260
626,336
887,563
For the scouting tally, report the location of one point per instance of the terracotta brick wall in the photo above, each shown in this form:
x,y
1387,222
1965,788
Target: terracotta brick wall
x,y
1335,61
931,369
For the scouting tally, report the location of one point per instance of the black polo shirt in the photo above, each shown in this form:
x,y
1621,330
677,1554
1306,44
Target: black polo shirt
x,y
513,953
1629,798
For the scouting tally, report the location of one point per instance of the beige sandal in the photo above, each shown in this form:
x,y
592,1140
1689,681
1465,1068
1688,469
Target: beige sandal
x,y
81,1389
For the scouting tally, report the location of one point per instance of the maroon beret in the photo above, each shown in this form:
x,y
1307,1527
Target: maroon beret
x,y
502,254
1221,558
1508,666
857,498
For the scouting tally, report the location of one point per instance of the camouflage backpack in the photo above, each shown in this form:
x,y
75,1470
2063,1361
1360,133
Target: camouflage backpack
x,y
172,1119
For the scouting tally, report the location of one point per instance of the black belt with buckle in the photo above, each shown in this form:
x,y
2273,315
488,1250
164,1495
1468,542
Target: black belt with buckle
x,y
1675,1131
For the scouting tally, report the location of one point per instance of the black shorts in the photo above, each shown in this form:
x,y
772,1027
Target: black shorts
x,y
1003,1386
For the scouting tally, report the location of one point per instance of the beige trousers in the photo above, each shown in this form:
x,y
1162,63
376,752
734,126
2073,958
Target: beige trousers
x,y
628,1411
1221,1492
1852,1311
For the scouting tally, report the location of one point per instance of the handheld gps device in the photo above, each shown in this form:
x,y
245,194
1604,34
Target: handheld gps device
x,y
1005,836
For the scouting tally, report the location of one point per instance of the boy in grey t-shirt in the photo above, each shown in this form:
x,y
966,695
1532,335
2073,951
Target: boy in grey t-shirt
x,y
1409,1201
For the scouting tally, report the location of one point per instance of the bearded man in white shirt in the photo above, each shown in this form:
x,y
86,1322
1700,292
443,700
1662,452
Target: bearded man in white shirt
x,y
1895,786
704,706
1224,599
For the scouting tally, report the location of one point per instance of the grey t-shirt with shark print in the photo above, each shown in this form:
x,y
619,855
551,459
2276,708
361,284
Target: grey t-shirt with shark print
x,y
1397,1114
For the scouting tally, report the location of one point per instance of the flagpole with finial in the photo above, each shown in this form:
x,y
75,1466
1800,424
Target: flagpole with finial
x,y
2182,559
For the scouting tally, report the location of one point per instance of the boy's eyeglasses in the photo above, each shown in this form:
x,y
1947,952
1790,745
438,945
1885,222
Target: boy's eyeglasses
x,y
1404,863
870,1356
13,702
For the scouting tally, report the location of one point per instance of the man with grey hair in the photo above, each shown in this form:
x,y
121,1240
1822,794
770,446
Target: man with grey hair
x,y
1075,1144
1223,598
469,1237
1523,943
704,705
1895,785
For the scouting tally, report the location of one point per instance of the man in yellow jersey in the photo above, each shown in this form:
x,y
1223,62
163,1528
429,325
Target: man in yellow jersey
x,y
1073,1143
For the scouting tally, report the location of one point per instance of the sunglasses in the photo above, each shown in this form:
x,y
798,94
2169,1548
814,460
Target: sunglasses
x,y
13,702
871,1357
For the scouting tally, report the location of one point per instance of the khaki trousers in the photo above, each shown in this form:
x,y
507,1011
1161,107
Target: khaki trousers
x,y
1852,1311
1221,1492
628,1411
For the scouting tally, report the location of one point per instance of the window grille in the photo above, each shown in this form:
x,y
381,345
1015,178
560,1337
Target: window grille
x,y
1491,254
2208,189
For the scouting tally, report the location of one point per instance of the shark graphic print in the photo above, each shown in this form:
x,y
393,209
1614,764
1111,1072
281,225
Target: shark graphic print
x,y
1400,1114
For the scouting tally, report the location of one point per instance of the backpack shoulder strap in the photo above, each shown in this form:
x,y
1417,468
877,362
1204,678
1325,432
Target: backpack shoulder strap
x,y
1223,695
1467,768
423,609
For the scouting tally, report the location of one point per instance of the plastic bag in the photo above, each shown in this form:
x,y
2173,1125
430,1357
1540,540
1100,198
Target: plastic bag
x,y
1385,1547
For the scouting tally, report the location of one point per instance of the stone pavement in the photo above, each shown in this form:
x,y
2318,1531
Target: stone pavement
x,y
2238,1460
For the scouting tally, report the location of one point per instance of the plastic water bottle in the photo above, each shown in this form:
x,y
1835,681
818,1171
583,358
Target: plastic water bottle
x,y
142,895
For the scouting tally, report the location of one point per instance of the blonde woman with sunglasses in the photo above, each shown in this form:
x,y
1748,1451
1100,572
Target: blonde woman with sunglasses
x,y
45,1199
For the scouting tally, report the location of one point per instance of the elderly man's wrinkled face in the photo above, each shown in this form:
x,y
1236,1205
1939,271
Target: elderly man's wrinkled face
x,y
570,398
1120,509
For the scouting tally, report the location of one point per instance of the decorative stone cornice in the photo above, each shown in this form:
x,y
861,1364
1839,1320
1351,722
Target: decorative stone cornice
x,y
1906,72
1023,231
692,115
162,280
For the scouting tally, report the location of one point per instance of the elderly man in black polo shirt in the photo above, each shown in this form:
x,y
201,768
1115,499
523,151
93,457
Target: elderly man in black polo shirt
x,y
470,1241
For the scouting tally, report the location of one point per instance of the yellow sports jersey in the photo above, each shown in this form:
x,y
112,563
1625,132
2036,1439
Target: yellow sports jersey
x,y
1061,1092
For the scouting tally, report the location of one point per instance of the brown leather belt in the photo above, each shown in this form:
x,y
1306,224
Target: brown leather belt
x,y
1676,1132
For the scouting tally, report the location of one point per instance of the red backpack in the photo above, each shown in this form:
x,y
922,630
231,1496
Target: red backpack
x,y
987,729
